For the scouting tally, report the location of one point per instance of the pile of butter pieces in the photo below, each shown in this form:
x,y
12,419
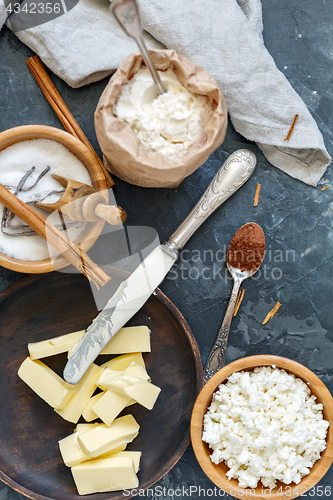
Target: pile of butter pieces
x,y
95,451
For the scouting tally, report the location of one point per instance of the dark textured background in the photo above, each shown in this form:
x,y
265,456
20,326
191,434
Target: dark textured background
x,y
295,217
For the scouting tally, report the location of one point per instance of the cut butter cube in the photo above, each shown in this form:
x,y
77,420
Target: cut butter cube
x,y
71,452
104,438
83,392
56,345
110,405
123,362
88,414
102,475
46,383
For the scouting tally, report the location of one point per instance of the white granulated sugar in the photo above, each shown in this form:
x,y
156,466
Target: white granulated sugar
x,y
15,162
265,426
173,123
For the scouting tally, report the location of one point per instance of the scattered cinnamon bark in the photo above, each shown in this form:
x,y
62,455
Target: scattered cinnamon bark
x,y
272,313
291,130
256,196
58,105
239,299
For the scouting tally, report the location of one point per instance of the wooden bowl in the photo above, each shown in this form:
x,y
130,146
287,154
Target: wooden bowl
x,y
217,473
29,132
44,306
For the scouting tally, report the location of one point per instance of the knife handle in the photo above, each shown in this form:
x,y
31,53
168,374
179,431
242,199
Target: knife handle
x,y
234,172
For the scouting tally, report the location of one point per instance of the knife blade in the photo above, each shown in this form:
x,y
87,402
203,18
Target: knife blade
x,y
135,291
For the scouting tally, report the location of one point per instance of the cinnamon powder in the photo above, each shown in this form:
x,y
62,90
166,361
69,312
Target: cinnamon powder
x,y
247,248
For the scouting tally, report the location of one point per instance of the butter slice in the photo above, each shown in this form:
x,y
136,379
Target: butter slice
x,y
88,414
109,406
102,475
71,452
56,345
144,393
129,339
83,392
85,427
116,380
123,362
127,384
138,371
46,383
104,438
134,455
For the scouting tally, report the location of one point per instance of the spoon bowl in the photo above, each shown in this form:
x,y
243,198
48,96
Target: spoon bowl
x,y
150,94
244,257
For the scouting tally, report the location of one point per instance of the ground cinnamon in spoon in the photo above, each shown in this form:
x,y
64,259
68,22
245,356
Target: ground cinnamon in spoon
x,y
247,248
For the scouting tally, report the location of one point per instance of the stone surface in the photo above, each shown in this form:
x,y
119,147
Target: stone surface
x,y
297,219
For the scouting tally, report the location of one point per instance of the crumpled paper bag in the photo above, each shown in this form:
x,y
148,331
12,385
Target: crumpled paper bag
x,y
125,156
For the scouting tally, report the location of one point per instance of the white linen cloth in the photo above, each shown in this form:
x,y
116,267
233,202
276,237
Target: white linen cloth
x,y
222,36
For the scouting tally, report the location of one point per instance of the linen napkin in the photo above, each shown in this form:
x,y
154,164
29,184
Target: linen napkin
x,y
224,37
3,14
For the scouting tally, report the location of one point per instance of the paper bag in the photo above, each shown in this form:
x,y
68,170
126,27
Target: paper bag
x,y
129,159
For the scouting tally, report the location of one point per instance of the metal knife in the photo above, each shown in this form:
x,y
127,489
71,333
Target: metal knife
x,y
135,291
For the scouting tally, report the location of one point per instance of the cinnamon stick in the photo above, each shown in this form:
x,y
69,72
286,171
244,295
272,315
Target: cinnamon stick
x,y
291,130
54,237
239,299
256,196
58,105
272,313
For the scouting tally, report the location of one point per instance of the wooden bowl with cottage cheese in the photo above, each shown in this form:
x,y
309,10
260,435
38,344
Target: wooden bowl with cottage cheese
x,y
201,426
17,147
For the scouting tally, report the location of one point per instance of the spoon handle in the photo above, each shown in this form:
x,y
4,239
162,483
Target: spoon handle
x,y
128,16
234,172
150,65
216,357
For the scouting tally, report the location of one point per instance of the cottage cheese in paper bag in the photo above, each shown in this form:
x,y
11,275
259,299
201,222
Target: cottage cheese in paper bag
x,y
158,142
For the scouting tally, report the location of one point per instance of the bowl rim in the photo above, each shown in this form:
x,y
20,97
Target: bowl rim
x,y
201,449
28,132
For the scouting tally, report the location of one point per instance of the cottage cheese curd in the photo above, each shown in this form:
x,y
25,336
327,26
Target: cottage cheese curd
x,y
171,124
265,425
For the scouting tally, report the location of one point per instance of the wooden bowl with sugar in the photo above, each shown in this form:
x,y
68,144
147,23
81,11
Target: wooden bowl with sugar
x,y
217,473
79,154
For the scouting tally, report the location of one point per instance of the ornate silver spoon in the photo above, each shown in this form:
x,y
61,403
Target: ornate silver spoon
x,y
127,14
244,257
